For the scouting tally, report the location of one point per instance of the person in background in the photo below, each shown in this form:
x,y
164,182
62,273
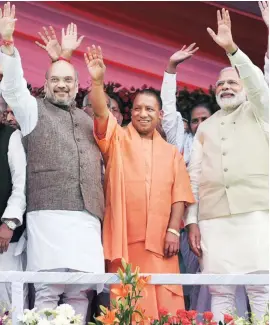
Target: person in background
x,y
116,107
182,137
64,189
231,184
9,118
12,205
172,122
143,206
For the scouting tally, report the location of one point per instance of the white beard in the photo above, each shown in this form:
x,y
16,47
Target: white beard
x,y
230,104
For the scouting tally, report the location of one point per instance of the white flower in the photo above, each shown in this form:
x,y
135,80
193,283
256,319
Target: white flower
x,y
66,311
60,320
240,321
29,317
44,322
77,319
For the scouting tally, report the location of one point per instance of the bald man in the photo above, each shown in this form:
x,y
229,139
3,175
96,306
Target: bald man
x,y
65,199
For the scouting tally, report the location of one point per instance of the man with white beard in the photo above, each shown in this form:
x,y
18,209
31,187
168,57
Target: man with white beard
x,y
228,226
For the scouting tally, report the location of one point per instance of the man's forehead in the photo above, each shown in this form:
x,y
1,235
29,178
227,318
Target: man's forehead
x,y
61,69
228,74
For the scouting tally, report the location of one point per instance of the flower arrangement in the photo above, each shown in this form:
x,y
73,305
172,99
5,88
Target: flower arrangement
x,y
62,315
126,309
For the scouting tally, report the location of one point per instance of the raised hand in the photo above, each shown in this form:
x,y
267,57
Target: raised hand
x,y
224,35
69,38
180,56
94,61
51,44
265,11
7,22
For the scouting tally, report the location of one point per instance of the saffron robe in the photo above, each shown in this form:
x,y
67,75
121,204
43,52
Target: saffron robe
x,y
143,179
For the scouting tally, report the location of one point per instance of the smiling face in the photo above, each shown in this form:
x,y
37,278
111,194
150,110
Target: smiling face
x,y
146,114
61,85
229,90
198,115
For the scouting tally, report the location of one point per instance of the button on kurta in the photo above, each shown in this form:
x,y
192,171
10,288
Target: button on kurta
x,y
225,169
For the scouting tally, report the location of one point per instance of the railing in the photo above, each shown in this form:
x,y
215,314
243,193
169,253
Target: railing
x,y
17,280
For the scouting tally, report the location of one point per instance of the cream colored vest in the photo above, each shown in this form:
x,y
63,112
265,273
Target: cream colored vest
x,y
235,164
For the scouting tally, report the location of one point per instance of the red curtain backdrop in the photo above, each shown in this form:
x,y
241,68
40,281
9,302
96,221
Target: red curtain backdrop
x,y
137,38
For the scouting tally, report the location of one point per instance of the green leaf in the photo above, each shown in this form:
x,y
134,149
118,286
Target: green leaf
x,y
124,263
103,309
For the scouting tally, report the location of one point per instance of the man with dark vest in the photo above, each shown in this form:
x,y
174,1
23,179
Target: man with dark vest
x,y
12,204
65,199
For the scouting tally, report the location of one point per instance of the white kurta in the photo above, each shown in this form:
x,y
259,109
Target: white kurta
x,y
235,244
64,239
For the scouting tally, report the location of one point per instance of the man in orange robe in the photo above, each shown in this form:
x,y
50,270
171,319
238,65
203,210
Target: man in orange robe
x,y
146,188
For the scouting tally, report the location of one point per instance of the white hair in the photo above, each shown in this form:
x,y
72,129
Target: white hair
x,y
226,69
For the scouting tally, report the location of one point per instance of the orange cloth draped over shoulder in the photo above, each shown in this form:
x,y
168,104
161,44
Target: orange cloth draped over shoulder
x,y
143,179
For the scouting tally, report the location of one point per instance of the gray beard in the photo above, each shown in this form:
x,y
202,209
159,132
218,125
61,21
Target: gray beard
x,y
61,104
231,104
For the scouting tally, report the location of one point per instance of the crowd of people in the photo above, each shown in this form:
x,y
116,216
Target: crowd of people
x,y
173,189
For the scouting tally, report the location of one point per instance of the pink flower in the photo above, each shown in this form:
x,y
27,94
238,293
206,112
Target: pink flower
x,y
181,313
208,316
191,314
163,312
227,318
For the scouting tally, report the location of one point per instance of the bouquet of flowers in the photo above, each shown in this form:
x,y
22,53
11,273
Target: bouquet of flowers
x,y
189,318
126,309
62,315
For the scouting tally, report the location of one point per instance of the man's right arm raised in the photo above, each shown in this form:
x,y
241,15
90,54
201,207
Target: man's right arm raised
x,y
172,122
13,85
105,123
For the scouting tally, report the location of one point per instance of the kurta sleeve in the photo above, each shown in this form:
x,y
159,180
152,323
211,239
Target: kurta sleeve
x,y
181,190
194,170
104,141
254,84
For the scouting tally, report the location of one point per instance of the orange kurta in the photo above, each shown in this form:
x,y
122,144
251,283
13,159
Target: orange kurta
x,y
143,179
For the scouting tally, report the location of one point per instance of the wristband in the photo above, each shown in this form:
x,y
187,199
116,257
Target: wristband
x,y
63,59
7,43
173,231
